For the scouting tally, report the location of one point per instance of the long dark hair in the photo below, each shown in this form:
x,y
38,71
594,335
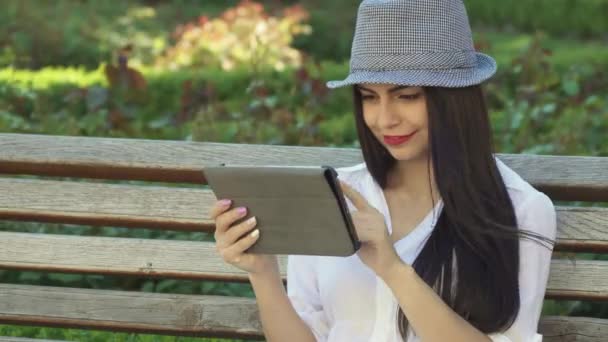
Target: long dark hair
x,y
475,242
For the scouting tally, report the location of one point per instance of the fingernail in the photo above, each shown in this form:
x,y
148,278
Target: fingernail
x,y
241,210
255,233
225,202
251,220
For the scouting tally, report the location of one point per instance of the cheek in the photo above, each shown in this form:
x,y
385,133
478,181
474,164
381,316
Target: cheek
x,y
368,118
419,115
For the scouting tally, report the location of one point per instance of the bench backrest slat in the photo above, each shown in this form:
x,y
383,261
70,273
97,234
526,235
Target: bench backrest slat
x,y
583,279
160,313
563,178
580,229
218,316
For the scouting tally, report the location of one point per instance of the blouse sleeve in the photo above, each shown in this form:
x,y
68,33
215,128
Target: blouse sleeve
x,y
303,292
537,214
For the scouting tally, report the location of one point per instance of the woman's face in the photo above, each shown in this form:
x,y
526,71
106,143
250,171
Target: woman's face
x,y
398,118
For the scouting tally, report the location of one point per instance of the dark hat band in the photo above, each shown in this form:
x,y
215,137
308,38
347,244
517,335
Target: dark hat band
x,y
430,60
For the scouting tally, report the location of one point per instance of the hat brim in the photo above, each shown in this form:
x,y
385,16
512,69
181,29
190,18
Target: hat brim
x,y
450,78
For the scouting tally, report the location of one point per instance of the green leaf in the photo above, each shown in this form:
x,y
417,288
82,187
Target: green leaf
x,y
570,87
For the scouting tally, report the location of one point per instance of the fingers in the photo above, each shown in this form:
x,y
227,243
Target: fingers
x,y
227,219
232,240
235,232
219,207
234,252
354,196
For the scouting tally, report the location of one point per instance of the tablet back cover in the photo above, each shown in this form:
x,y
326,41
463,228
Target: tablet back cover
x,y
298,210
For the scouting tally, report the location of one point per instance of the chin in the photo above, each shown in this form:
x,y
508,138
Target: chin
x,y
406,154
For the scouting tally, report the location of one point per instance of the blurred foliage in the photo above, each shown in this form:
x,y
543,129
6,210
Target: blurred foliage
x,y
286,107
565,18
243,36
557,18
35,33
533,105
548,97
542,111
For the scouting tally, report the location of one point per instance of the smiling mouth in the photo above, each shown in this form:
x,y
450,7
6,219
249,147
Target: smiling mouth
x,y
398,139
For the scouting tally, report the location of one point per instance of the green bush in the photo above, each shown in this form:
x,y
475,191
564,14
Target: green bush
x,y
245,35
572,18
557,18
533,105
34,34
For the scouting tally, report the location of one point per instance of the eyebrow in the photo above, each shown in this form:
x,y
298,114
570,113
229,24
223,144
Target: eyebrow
x,y
391,90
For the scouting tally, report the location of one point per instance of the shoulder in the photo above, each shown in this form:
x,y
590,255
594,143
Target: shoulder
x,y
534,210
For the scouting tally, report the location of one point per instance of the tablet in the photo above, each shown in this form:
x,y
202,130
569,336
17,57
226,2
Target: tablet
x,y
299,209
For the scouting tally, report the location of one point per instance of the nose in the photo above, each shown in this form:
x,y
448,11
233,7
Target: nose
x,y
387,116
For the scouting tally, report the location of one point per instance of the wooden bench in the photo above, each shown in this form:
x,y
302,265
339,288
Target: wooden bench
x,y
160,206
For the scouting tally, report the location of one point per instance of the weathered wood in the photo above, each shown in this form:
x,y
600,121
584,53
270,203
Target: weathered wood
x,y
567,178
582,229
189,315
106,204
576,279
171,314
562,177
573,329
579,229
143,159
195,260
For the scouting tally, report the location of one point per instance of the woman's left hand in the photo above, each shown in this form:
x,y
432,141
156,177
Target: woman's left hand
x,y
377,251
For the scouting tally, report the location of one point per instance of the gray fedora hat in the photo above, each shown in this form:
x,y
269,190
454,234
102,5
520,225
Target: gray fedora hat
x,y
417,43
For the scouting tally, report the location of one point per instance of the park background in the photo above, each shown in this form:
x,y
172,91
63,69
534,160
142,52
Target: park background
x,y
255,72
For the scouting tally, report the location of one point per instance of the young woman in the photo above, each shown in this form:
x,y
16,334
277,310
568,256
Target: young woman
x,y
455,245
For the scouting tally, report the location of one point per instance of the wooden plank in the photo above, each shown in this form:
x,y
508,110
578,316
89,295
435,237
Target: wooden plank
x,y
566,178
196,260
143,159
159,313
562,177
579,279
582,229
172,314
573,329
106,204
579,229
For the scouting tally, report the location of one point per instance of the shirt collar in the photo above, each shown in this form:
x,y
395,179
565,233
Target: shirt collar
x,y
410,245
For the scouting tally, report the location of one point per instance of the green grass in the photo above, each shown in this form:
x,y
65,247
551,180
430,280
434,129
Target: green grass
x,y
95,336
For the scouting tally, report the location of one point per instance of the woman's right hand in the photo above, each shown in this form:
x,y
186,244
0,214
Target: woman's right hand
x,y
231,246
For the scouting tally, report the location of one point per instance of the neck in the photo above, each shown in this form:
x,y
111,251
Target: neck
x,y
410,179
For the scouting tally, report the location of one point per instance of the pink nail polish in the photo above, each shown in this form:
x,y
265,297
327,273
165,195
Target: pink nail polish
x,y
225,202
241,210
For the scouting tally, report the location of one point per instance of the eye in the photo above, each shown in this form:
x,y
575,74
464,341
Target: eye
x,y
367,97
410,97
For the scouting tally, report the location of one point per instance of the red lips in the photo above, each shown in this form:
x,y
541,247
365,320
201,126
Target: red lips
x,y
397,139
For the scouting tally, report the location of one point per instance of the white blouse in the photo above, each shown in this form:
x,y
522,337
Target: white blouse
x,y
341,299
